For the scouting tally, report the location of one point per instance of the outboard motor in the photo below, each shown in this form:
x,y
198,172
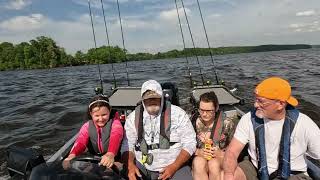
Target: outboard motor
x,y
21,161
171,92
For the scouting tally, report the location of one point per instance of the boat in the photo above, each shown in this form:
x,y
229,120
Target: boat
x,y
30,164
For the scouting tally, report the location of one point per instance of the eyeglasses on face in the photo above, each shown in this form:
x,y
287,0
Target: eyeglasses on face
x,y
202,111
264,102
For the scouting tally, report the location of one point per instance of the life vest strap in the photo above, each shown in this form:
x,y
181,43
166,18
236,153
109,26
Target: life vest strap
x,y
152,146
165,125
217,127
284,169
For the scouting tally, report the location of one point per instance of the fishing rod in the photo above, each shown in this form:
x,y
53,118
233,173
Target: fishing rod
x,y
108,41
124,48
194,46
184,44
98,90
205,31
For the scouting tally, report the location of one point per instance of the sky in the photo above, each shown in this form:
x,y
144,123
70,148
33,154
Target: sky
x,y
152,25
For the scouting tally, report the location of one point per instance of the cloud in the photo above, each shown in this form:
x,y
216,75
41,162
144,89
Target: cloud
x,y
97,3
135,24
296,25
298,30
23,23
18,4
305,27
85,3
214,16
172,14
84,17
76,34
154,26
306,13
93,3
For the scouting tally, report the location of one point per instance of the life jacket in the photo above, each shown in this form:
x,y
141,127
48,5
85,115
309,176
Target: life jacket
x,y
284,169
93,138
216,130
165,125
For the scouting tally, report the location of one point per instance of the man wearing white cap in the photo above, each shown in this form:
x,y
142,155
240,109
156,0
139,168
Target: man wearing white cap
x,y
159,138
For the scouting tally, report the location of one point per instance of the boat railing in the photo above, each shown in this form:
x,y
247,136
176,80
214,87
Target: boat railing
x,y
63,151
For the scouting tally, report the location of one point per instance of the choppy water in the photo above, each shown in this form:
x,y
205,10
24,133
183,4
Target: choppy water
x,y
44,108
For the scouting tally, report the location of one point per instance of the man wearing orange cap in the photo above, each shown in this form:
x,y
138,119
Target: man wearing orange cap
x,y
278,137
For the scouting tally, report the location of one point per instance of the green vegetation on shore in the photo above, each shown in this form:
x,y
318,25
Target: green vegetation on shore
x,y
43,52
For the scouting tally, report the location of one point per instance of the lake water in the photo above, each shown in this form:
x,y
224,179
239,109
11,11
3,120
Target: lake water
x,y
44,108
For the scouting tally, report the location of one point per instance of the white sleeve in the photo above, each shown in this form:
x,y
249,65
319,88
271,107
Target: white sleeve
x,y
187,133
130,134
312,134
243,129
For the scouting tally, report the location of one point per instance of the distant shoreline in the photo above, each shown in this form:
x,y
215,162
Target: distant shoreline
x,y
44,53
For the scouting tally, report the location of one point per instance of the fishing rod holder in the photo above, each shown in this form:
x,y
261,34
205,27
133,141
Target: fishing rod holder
x,y
98,90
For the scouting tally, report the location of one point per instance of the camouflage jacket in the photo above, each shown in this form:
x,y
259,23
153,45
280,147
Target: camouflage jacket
x,y
203,132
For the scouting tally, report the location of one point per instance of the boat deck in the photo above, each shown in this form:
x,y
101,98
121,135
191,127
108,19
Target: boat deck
x,y
223,94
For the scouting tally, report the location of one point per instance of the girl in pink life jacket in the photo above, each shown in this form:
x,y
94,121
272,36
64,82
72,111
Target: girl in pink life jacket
x,y
101,134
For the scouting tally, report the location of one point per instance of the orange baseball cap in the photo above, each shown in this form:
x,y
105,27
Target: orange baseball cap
x,y
276,88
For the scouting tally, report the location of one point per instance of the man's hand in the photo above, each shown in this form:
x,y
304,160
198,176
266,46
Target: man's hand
x,y
218,153
168,172
107,160
133,171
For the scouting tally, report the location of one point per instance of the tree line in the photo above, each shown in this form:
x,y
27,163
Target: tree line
x,y
43,52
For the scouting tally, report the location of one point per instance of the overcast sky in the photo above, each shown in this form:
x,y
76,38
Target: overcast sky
x,y
152,25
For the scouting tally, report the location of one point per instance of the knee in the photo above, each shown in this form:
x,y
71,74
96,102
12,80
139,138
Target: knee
x,y
240,175
199,164
214,166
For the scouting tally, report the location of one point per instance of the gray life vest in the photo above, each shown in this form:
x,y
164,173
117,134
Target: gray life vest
x,y
165,125
93,138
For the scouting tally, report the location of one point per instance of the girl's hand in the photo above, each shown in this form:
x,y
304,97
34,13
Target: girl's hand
x,y
107,160
203,152
208,153
199,152
66,162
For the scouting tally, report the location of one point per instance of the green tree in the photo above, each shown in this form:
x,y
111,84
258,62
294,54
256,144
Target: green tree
x,y
43,52
7,56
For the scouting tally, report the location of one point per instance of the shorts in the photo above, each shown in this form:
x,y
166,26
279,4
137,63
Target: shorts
x,y
251,172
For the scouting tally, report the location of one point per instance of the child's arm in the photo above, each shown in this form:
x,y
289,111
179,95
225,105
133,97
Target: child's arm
x,y
79,146
81,142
